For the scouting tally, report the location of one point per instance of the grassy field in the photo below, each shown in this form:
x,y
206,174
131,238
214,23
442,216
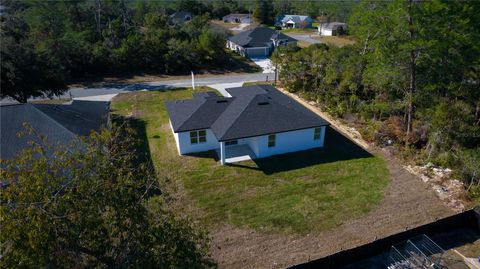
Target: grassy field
x,y
338,41
300,31
303,192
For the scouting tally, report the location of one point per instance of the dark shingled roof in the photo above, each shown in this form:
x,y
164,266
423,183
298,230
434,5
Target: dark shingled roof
x,y
180,15
258,37
251,111
197,113
59,124
80,117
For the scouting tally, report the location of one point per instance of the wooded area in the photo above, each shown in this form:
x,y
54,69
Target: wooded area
x,y
46,43
412,79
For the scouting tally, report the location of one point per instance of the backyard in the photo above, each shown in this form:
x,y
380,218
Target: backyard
x,y
302,192
258,211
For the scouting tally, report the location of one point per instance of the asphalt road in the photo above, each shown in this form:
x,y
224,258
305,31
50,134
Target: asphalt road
x,y
110,89
305,38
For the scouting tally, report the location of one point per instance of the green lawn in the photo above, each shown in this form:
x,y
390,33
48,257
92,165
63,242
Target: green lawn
x,y
296,193
300,31
338,41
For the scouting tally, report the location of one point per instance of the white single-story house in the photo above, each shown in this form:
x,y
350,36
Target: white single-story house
x,y
180,17
293,21
258,42
237,18
332,28
252,122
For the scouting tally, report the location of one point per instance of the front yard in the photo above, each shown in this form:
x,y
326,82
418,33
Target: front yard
x,y
300,193
338,41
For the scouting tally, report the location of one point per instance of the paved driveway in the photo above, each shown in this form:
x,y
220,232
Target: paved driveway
x,y
240,27
265,64
305,38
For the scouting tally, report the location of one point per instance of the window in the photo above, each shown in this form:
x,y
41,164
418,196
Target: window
x,y
202,136
231,142
198,137
316,133
271,140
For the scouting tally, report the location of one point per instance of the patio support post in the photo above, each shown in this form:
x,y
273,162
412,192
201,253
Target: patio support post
x,y
222,152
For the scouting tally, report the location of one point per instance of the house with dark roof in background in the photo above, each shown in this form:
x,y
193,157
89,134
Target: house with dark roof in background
x,y
237,18
180,17
251,122
258,42
332,28
293,21
59,124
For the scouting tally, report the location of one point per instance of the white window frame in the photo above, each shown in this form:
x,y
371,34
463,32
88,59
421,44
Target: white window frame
x,y
198,137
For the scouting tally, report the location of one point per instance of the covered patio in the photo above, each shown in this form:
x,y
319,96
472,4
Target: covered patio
x,y
235,153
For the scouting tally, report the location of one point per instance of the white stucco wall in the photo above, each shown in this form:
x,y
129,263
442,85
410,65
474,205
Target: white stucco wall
x,y
325,32
184,146
286,142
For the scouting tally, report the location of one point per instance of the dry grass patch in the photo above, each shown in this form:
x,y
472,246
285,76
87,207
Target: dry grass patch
x,y
338,41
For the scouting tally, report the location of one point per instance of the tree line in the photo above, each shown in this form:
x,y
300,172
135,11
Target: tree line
x,y
412,79
45,44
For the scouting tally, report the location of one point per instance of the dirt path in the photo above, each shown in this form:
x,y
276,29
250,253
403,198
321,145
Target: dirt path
x,y
408,203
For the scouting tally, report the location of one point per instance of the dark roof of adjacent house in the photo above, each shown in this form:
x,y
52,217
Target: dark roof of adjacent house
x,y
237,15
59,124
294,18
332,25
251,111
80,117
258,37
180,16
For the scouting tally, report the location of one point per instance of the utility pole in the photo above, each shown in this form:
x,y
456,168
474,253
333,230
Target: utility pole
x,y
276,68
193,80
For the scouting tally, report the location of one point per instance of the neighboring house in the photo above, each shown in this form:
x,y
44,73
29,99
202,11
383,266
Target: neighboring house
x,y
254,122
258,42
59,124
332,28
180,17
293,21
237,18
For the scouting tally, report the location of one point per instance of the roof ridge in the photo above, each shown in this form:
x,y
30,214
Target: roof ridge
x,y
53,120
238,116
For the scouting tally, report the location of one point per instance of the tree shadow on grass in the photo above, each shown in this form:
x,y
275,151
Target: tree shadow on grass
x,y
337,148
142,150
